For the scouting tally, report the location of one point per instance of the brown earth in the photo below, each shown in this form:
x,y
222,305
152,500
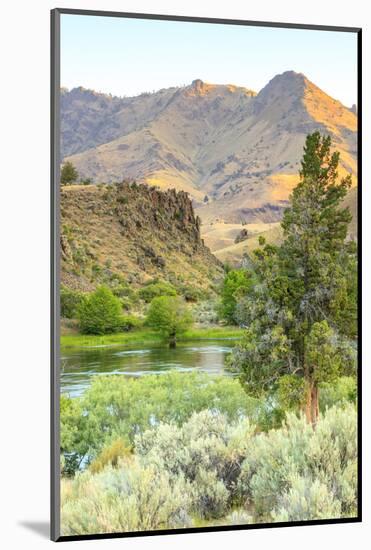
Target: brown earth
x,y
134,231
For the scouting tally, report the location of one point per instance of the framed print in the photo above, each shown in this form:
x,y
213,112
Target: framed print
x,y
206,190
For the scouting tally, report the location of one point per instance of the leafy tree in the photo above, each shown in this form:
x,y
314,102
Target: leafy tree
x,y
100,312
69,174
237,282
170,316
301,315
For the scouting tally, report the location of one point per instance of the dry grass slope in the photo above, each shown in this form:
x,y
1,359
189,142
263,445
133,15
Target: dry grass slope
x,y
132,231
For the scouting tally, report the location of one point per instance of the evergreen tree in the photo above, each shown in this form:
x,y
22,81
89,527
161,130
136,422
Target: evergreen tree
x,y
301,316
69,174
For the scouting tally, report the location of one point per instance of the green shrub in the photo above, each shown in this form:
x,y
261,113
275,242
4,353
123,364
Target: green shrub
x,y
117,407
153,290
192,293
237,282
209,495
206,451
123,290
265,473
204,467
130,322
86,181
70,302
306,499
100,312
131,498
332,456
126,304
327,455
77,434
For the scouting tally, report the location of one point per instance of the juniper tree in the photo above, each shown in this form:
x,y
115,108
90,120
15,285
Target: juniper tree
x,y
301,315
69,174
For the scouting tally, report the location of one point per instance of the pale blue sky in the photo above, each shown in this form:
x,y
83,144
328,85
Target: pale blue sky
x,y
126,57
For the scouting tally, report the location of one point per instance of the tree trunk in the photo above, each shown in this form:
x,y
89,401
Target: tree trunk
x,y
315,405
172,341
308,405
312,404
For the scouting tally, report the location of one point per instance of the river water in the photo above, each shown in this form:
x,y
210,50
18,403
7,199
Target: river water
x,y
80,365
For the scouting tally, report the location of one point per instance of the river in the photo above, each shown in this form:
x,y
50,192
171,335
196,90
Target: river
x,y
80,365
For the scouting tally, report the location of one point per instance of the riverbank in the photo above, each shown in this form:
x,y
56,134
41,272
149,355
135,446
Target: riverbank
x,y
147,336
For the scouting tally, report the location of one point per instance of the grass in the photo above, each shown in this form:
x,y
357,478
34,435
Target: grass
x,y
212,333
146,336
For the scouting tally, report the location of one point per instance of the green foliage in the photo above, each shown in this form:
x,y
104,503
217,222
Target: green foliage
x,y
306,500
205,451
169,315
210,467
117,407
209,495
100,312
153,290
192,293
282,465
77,434
70,302
301,313
291,392
325,357
131,498
236,284
69,174
86,181
342,391
130,322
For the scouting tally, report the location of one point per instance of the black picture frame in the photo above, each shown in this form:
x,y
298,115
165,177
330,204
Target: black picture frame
x,y
55,269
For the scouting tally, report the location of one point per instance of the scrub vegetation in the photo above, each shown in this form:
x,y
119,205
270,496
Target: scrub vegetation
x,y
274,439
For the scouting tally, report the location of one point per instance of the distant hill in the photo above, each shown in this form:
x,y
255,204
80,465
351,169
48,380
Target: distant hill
x,y
135,231
236,153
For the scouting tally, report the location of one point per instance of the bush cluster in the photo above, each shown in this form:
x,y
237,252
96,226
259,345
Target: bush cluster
x,y
118,407
223,472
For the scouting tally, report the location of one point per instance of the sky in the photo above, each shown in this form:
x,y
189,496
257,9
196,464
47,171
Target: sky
x,y
126,57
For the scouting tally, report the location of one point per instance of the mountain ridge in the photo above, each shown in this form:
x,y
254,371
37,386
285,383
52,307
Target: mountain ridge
x,y
235,151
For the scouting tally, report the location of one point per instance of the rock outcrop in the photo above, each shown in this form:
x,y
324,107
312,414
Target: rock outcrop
x,y
134,231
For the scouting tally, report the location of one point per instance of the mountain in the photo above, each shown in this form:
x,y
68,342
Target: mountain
x,y
237,153
135,231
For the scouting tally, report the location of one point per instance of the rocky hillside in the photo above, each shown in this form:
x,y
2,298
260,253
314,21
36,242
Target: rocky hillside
x,y
236,152
134,231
